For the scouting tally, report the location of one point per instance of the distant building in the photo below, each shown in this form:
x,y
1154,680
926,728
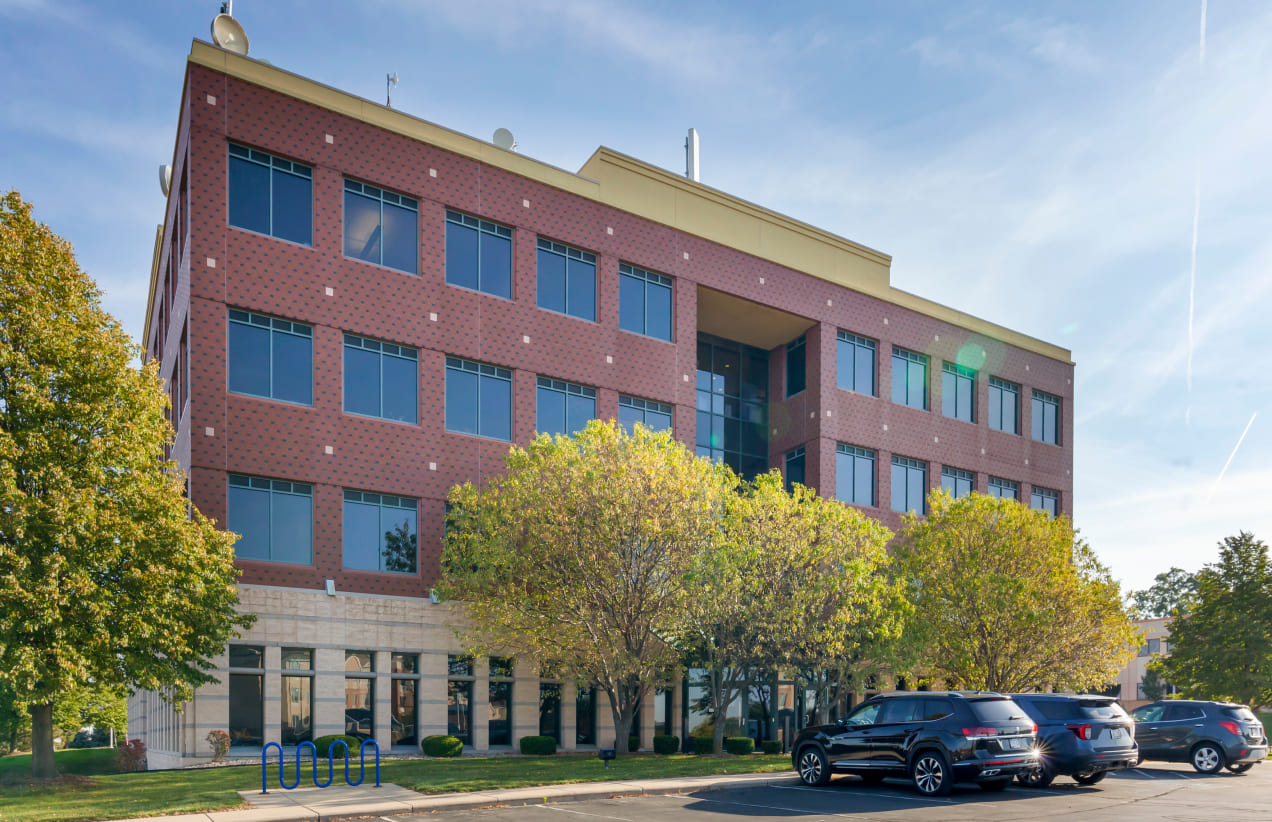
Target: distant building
x,y
355,309
1154,642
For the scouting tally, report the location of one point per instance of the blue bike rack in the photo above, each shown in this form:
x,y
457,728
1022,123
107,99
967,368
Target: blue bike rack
x,y
331,765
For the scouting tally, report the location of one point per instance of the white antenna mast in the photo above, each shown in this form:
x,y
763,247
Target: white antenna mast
x,y
390,83
691,155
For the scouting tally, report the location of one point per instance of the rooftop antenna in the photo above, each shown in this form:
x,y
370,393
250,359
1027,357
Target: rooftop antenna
x,y
504,139
691,155
390,83
226,31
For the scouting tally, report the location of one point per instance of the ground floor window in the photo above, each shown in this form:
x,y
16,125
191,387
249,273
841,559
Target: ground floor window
x,y
585,716
247,709
404,699
360,694
459,698
550,710
662,711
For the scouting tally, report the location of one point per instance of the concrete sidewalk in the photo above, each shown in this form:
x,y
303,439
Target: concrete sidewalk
x,y
344,802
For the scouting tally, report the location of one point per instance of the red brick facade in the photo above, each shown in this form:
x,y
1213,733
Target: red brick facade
x,y
218,266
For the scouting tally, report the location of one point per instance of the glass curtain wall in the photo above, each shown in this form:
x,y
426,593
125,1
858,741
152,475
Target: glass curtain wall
x,y
733,404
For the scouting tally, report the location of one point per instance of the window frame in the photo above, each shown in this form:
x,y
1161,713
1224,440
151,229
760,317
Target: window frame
x,y
854,342
566,389
274,163
273,325
380,505
909,464
998,389
482,370
1043,400
567,252
909,357
379,348
796,351
963,379
382,196
482,226
274,486
798,453
955,475
997,485
1036,494
647,407
241,672
287,673
647,279
856,452
368,675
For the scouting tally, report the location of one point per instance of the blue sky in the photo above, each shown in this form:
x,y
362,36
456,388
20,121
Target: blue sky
x,y
1053,167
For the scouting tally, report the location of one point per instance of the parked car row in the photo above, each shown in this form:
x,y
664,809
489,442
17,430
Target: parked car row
x,y
935,739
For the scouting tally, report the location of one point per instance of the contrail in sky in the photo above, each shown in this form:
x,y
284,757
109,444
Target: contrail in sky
x,y
1219,479
1192,269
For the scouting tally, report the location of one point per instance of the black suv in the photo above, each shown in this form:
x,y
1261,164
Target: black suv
x,y
1210,735
1080,736
932,738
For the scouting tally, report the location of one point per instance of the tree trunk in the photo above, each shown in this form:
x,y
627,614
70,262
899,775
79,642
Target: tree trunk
x,y
43,766
622,729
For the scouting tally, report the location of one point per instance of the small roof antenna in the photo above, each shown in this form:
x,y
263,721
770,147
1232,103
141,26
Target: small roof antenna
x,y
504,139
390,83
691,155
226,31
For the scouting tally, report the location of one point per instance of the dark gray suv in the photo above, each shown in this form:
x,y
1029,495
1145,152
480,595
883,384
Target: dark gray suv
x,y
1210,735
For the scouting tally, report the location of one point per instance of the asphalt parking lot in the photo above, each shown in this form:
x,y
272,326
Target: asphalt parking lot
x,y
1160,791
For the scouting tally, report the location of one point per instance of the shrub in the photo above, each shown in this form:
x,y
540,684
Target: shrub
x,y
739,745
633,744
666,744
538,745
771,746
219,741
440,745
90,739
131,756
703,745
324,743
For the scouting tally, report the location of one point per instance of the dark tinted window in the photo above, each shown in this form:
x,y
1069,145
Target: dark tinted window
x,y
995,710
380,227
1101,709
795,468
901,710
1056,709
1175,712
937,708
1242,714
864,715
459,665
796,366
478,254
567,280
1149,713
247,656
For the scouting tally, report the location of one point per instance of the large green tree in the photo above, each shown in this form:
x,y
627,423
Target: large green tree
x,y
107,573
1171,590
1007,599
580,555
1222,648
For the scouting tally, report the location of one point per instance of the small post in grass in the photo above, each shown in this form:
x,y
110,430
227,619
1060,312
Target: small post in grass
x,y
606,754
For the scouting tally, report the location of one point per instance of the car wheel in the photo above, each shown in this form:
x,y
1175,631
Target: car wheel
x,y
1241,768
813,768
995,785
1207,758
1090,778
931,774
1038,777
872,778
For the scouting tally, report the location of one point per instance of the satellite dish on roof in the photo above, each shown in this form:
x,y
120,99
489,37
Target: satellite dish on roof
x,y
228,34
165,178
504,139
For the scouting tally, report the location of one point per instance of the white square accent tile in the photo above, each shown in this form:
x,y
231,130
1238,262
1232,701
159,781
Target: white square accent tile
x,y
211,100
432,316
211,262
432,466
331,292
432,172
327,449
329,138
209,431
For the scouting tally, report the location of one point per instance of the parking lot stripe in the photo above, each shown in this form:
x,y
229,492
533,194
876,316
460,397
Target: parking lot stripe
x,y
870,793
580,813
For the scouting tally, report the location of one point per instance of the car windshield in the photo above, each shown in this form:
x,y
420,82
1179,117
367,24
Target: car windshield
x,y
1243,714
996,710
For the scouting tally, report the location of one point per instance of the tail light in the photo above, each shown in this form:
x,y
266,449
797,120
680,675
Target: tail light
x,y
979,733
1231,727
1080,731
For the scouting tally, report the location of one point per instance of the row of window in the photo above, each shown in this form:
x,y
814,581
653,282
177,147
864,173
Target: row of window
x,y
855,481
856,373
274,196
273,358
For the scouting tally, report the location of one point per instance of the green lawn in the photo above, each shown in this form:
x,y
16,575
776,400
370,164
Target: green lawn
x,y
113,796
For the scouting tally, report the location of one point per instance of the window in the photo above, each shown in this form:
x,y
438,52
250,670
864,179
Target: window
x,y
381,227
478,254
273,517
270,357
644,302
1151,647
379,532
958,392
865,715
794,468
360,694
298,696
270,195
901,709
1040,499
856,364
796,366
909,484
500,701
956,483
909,378
854,475
663,710
655,416
564,408
1004,489
936,708
478,399
247,695
732,409
1004,406
585,716
567,280
550,710
1046,418
405,669
459,698
381,379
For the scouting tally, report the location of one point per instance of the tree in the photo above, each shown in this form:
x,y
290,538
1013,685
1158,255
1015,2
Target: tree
x,y
793,577
580,555
107,573
1008,599
1222,648
1171,590
1154,686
